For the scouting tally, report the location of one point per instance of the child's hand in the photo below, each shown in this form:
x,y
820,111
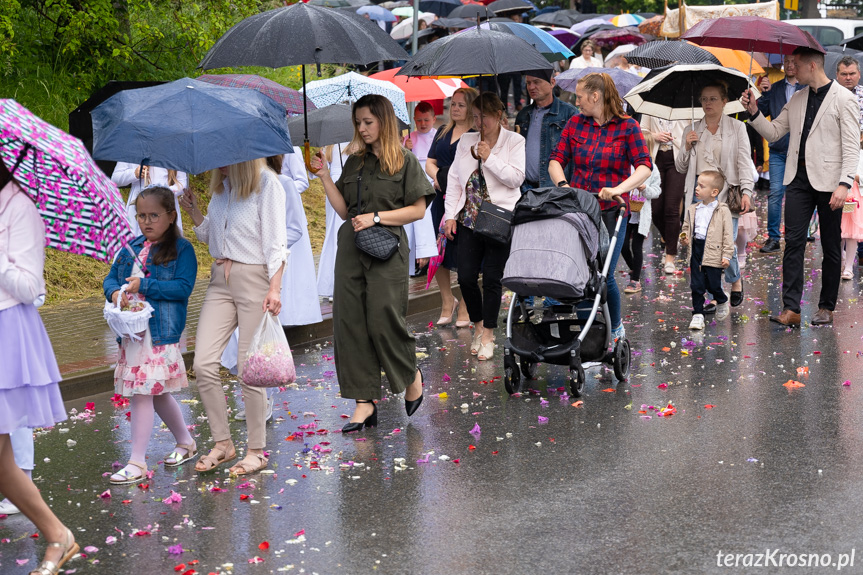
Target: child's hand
x,y
725,263
123,302
134,284
684,242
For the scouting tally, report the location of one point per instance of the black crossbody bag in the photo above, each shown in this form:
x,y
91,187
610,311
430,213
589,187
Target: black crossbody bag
x,y
377,241
492,222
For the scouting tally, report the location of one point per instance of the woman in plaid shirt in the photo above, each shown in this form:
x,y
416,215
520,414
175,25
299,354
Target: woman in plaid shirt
x,y
609,159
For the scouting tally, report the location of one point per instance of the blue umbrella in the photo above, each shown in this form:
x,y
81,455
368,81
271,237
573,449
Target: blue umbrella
x,y
546,44
623,80
189,126
377,13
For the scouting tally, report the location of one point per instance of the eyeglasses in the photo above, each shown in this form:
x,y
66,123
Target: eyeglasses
x,y
149,217
709,99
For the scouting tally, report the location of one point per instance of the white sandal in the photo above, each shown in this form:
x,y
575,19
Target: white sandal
x,y
476,342
486,351
175,459
125,477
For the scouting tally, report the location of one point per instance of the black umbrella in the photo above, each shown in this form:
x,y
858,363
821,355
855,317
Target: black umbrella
x,y
855,42
457,23
662,53
557,18
672,94
471,11
504,7
439,7
300,34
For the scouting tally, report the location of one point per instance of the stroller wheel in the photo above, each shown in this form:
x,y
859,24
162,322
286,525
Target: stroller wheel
x,y
529,369
576,380
622,359
511,375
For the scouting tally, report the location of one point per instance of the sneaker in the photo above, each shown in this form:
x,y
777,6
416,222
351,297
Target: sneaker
x,y
618,333
632,287
722,310
697,322
241,415
8,508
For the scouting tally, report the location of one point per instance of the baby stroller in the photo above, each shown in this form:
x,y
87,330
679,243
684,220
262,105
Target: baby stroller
x,y
559,250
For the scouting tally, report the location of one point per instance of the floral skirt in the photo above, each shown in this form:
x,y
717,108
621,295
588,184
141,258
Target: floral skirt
x,y
146,369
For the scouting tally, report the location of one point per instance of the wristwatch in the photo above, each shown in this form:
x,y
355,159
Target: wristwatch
x,y
377,218
562,183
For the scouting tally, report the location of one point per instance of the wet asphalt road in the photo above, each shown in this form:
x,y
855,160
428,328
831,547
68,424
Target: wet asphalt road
x,y
744,465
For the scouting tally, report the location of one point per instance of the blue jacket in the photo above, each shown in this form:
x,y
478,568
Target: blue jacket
x,y
167,287
553,124
771,104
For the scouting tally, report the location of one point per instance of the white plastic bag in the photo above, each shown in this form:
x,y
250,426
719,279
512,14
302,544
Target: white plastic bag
x,y
268,361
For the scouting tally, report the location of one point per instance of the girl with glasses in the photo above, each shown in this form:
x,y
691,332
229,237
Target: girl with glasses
x,y
139,177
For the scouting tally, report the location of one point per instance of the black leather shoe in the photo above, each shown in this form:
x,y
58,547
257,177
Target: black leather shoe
x,y
370,421
412,405
771,247
709,308
736,297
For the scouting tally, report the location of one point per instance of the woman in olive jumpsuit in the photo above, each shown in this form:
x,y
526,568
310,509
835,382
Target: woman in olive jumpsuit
x,y
371,296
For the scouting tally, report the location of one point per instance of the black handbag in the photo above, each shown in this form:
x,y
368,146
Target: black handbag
x,y
377,241
492,222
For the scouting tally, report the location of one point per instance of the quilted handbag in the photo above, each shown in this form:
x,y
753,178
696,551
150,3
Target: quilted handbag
x,y
377,241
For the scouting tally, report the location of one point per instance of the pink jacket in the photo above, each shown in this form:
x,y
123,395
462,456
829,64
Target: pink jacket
x,y
22,248
503,171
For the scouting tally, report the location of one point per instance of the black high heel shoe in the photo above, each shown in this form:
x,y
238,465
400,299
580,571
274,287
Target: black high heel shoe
x,y
370,421
412,405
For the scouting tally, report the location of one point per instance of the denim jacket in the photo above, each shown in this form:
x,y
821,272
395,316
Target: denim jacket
x,y
553,124
771,104
167,287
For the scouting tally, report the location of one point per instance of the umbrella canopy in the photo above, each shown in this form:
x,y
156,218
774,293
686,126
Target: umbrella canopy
x,y
329,125
290,99
473,53
565,37
662,53
623,80
559,18
504,7
377,13
440,7
301,34
458,23
83,210
419,89
210,126
330,3
855,42
618,36
622,50
350,87
586,25
403,11
652,26
831,61
624,20
673,94
471,11
405,28
752,34
545,43
737,59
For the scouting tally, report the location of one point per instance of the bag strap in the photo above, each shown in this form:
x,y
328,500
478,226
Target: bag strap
x,y
482,185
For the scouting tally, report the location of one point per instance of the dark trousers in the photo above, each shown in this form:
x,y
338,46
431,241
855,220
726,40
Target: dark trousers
x,y
504,81
800,201
704,279
666,208
475,253
633,251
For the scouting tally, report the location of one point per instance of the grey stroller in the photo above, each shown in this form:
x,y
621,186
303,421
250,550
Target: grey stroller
x,y
559,249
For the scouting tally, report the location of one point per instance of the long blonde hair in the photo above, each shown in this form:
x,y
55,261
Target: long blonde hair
x,y
245,178
470,95
392,156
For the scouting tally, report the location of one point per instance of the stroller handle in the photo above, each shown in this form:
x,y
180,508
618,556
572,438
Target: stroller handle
x,y
621,205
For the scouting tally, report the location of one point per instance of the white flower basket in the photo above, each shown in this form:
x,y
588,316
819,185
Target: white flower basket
x,y
127,323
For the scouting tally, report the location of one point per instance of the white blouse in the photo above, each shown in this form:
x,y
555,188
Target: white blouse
x,y
249,231
124,175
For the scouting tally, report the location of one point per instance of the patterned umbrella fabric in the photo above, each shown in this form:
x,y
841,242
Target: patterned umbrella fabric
x,y
627,20
652,26
419,89
351,87
612,38
83,211
436,261
662,53
292,100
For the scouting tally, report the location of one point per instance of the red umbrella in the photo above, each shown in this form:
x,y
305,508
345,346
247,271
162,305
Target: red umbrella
x,y
418,89
617,37
752,34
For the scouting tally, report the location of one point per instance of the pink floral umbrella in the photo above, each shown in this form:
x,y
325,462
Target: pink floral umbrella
x,y
82,209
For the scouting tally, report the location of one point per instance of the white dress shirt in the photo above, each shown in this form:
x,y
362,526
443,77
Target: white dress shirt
x,y
251,230
703,215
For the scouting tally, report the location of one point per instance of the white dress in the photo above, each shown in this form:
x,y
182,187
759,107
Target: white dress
x,y
124,175
294,167
327,262
300,304
422,237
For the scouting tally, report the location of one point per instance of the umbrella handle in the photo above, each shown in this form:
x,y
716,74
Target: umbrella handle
x,y
307,156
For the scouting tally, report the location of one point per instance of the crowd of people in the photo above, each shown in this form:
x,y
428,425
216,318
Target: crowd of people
x,y
691,182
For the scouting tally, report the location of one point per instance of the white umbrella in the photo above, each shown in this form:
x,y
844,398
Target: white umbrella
x,y
351,87
405,28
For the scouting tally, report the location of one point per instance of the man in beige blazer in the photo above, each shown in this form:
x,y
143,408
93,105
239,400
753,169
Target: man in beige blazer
x,y
823,121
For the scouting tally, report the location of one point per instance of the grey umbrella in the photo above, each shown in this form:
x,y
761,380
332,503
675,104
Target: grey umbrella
x,y
301,34
328,125
557,18
471,11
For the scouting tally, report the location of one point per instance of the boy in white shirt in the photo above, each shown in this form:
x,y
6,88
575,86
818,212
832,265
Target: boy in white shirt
x,y
709,226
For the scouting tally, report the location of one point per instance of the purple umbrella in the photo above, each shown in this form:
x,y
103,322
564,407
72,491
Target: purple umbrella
x,y
565,37
582,27
623,80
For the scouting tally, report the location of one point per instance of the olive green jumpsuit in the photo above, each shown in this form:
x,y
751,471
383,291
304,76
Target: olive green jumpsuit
x,y
370,296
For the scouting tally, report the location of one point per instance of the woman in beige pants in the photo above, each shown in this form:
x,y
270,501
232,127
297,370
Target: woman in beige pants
x,y
245,230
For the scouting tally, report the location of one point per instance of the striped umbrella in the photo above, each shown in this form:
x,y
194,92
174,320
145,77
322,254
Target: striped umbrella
x,y
351,87
291,100
627,20
82,209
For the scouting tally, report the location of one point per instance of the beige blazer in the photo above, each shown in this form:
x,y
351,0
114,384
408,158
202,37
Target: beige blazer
x,y
737,165
833,145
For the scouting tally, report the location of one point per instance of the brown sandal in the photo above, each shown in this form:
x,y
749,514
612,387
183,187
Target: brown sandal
x,y
216,457
251,463
70,548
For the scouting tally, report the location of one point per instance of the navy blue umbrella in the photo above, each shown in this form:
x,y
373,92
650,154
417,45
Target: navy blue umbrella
x,y
189,126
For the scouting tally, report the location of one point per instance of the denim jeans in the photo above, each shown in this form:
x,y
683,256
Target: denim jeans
x,y
732,272
613,291
777,194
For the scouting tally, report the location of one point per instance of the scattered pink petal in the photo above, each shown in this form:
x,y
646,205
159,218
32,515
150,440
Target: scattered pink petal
x,y
22,561
542,419
176,549
446,378
662,386
300,532
110,540
174,497
476,430
91,549
847,383
105,494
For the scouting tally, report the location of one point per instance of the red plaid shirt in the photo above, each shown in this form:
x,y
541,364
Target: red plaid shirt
x,y
602,156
